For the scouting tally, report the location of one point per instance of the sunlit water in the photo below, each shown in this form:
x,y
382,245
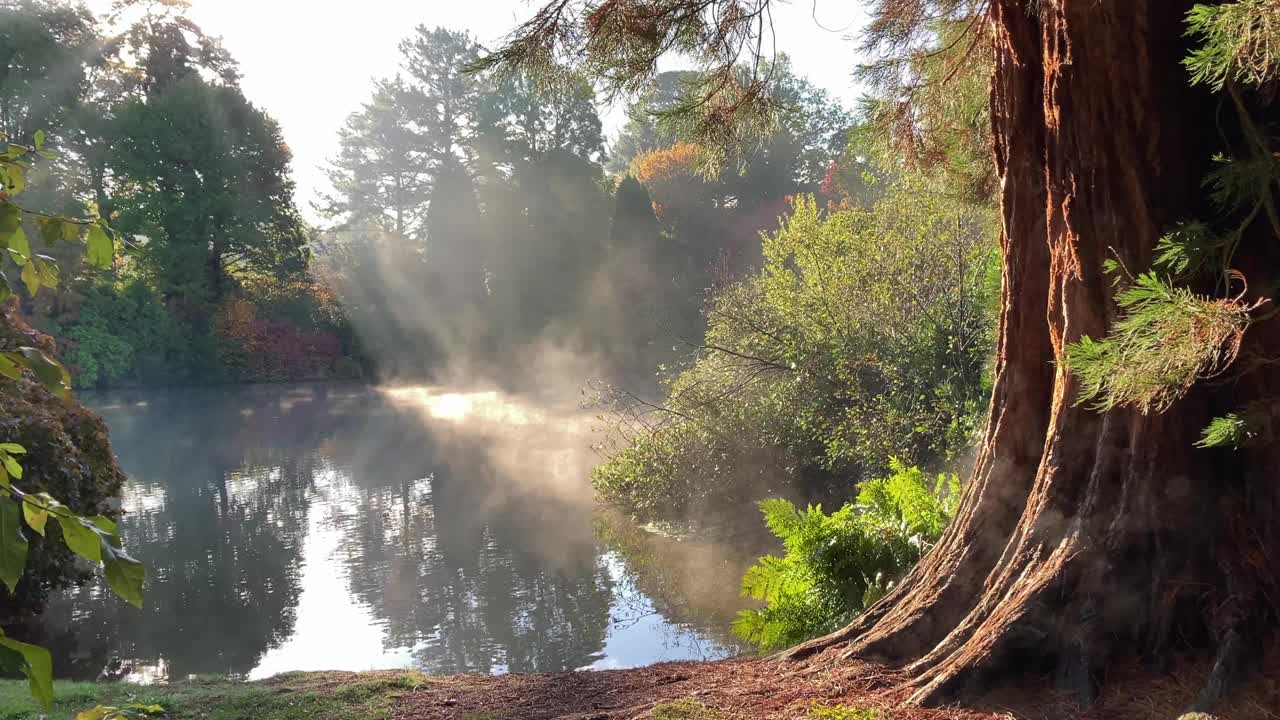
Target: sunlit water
x,y
350,528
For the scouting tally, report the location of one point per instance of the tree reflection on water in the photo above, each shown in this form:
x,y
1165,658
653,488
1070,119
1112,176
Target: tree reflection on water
x,y
343,527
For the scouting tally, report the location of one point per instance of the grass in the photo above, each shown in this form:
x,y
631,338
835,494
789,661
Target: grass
x,y
292,696
842,712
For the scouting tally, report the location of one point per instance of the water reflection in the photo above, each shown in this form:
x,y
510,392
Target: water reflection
x,y
340,527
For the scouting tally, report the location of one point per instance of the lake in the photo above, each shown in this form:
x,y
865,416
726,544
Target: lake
x,y
343,527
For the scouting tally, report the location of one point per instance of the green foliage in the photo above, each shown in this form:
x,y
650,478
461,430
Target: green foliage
x,y
1230,430
1240,42
836,565
1167,339
865,335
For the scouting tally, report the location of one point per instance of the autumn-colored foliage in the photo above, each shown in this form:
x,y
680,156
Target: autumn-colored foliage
x,y
673,175
260,349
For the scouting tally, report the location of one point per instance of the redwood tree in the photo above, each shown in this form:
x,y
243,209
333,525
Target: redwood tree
x,y
1084,535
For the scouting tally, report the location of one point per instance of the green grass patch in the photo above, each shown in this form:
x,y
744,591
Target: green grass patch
x,y
842,712
685,709
292,696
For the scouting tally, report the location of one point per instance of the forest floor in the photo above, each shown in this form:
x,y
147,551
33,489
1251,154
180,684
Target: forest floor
x,y
728,690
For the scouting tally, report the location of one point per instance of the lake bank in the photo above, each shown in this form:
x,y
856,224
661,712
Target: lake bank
x,y
823,689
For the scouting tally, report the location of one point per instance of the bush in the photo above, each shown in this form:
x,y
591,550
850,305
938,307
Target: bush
x,y
836,565
865,335
123,334
257,349
68,455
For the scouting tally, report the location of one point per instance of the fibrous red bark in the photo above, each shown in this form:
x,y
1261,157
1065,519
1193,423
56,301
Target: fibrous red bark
x,y
1083,536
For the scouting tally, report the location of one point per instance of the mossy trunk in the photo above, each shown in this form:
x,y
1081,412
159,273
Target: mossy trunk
x,y
68,455
1084,536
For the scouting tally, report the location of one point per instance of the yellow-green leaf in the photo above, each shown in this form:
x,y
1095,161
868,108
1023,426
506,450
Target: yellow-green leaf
x,y
81,539
37,665
48,371
101,250
9,367
31,278
35,514
124,574
19,248
11,465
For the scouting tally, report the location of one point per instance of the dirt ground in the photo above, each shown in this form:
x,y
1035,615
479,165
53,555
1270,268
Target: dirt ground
x,y
759,689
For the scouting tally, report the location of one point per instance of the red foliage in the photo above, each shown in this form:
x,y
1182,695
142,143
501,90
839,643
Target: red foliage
x,y
267,350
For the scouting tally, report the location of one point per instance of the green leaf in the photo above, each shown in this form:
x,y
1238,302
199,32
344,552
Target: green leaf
x,y
101,250
80,538
37,665
13,448
54,229
9,367
11,465
13,545
10,220
31,278
15,178
39,139
124,574
108,528
48,371
35,510
19,248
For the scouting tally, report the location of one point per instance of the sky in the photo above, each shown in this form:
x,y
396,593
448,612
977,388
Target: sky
x,y
309,63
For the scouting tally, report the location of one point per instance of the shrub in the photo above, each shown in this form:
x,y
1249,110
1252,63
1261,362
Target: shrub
x,y
259,350
68,455
865,335
836,565
123,333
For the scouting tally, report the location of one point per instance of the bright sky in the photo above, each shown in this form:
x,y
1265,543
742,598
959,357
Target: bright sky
x,y
309,63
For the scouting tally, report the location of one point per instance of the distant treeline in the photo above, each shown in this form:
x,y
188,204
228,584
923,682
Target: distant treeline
x,y
473,219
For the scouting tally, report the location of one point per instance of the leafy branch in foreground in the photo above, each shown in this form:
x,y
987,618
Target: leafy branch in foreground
x,y
97,538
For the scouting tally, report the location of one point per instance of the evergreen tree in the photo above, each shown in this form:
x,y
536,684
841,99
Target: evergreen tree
x,y
381,176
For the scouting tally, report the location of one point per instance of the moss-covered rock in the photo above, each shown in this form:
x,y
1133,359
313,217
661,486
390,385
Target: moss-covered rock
x,y
68,455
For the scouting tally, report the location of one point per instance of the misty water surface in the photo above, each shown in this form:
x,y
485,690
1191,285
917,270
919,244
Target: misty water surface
x,y
350,528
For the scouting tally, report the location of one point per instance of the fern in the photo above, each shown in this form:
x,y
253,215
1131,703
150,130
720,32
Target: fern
x,y
835,565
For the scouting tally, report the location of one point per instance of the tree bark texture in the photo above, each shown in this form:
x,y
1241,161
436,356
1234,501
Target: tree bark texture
x,y
1083,536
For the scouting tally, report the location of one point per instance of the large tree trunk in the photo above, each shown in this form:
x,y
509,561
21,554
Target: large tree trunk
x,y
1083,536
